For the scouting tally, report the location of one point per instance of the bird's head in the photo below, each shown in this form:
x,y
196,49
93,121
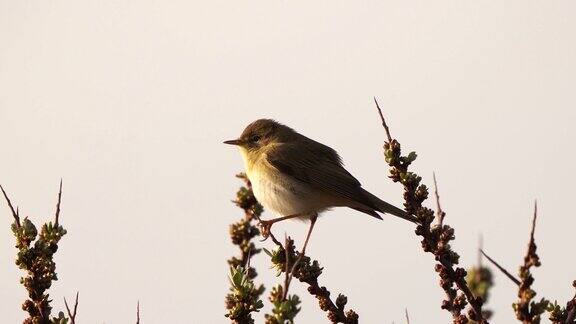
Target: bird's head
x,y
260,135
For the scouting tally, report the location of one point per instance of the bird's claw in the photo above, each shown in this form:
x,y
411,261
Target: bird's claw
x,y
265,229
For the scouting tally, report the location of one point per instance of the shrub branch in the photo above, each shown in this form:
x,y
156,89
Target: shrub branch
x,y
435,239
286,306
244,296
307,270
71,315
528,311
38,261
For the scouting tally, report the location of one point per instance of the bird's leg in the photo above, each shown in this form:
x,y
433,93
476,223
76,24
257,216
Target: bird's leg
x,y
312,222
313,219
265,225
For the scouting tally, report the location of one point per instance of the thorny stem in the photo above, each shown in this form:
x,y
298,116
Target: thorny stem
x,y
407,317
71,315
244,296
383,121
440,214
435,239
504,271
14,212
37,260
56,217
452,303
527,310
287,272
308,272
285,306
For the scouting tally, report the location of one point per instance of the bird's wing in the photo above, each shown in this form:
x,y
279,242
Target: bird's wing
x,y
316,165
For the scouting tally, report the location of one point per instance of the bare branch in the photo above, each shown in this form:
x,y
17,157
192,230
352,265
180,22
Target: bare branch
x,y
72,315
440,214
14,212
533,222
383,121
504,271
138,313
287,271
58,205
407,317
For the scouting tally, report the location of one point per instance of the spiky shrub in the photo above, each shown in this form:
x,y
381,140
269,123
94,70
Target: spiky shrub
x,y
36,257
243,298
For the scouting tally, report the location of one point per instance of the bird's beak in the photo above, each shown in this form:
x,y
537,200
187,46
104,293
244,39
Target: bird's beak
x,y
233,142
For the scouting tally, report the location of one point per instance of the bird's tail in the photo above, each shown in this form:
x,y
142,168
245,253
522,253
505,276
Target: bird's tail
x,y
386,208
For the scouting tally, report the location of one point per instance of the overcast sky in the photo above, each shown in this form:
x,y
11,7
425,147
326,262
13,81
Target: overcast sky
x,y
129,102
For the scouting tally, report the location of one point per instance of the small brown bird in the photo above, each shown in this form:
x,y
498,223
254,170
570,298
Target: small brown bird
x,y
298,177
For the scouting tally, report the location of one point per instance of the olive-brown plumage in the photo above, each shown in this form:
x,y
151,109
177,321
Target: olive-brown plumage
x,y
296,176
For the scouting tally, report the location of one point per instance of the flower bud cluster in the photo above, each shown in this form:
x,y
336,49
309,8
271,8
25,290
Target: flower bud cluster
x,y
308,271
243,298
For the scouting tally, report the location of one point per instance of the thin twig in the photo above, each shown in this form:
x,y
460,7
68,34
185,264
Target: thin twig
x,y
58,205
72,315
247,265
527,310
14,212
533,223
440,214
287,271
138,313
289,279
336,314
504,271
383,121
407,317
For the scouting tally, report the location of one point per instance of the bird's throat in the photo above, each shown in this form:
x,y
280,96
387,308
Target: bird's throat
x,y
248,159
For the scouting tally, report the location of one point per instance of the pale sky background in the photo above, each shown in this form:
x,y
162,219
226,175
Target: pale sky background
x,y
129,101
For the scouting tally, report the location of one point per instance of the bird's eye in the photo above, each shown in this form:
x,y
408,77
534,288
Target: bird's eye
x,y
254,138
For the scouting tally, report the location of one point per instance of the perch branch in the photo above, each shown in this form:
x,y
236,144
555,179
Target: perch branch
x,y
308,271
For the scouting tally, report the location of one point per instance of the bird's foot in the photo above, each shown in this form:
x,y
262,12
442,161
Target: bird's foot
x,y
265,229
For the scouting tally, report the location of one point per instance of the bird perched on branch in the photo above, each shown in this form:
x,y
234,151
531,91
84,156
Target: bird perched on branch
x,y
297,177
